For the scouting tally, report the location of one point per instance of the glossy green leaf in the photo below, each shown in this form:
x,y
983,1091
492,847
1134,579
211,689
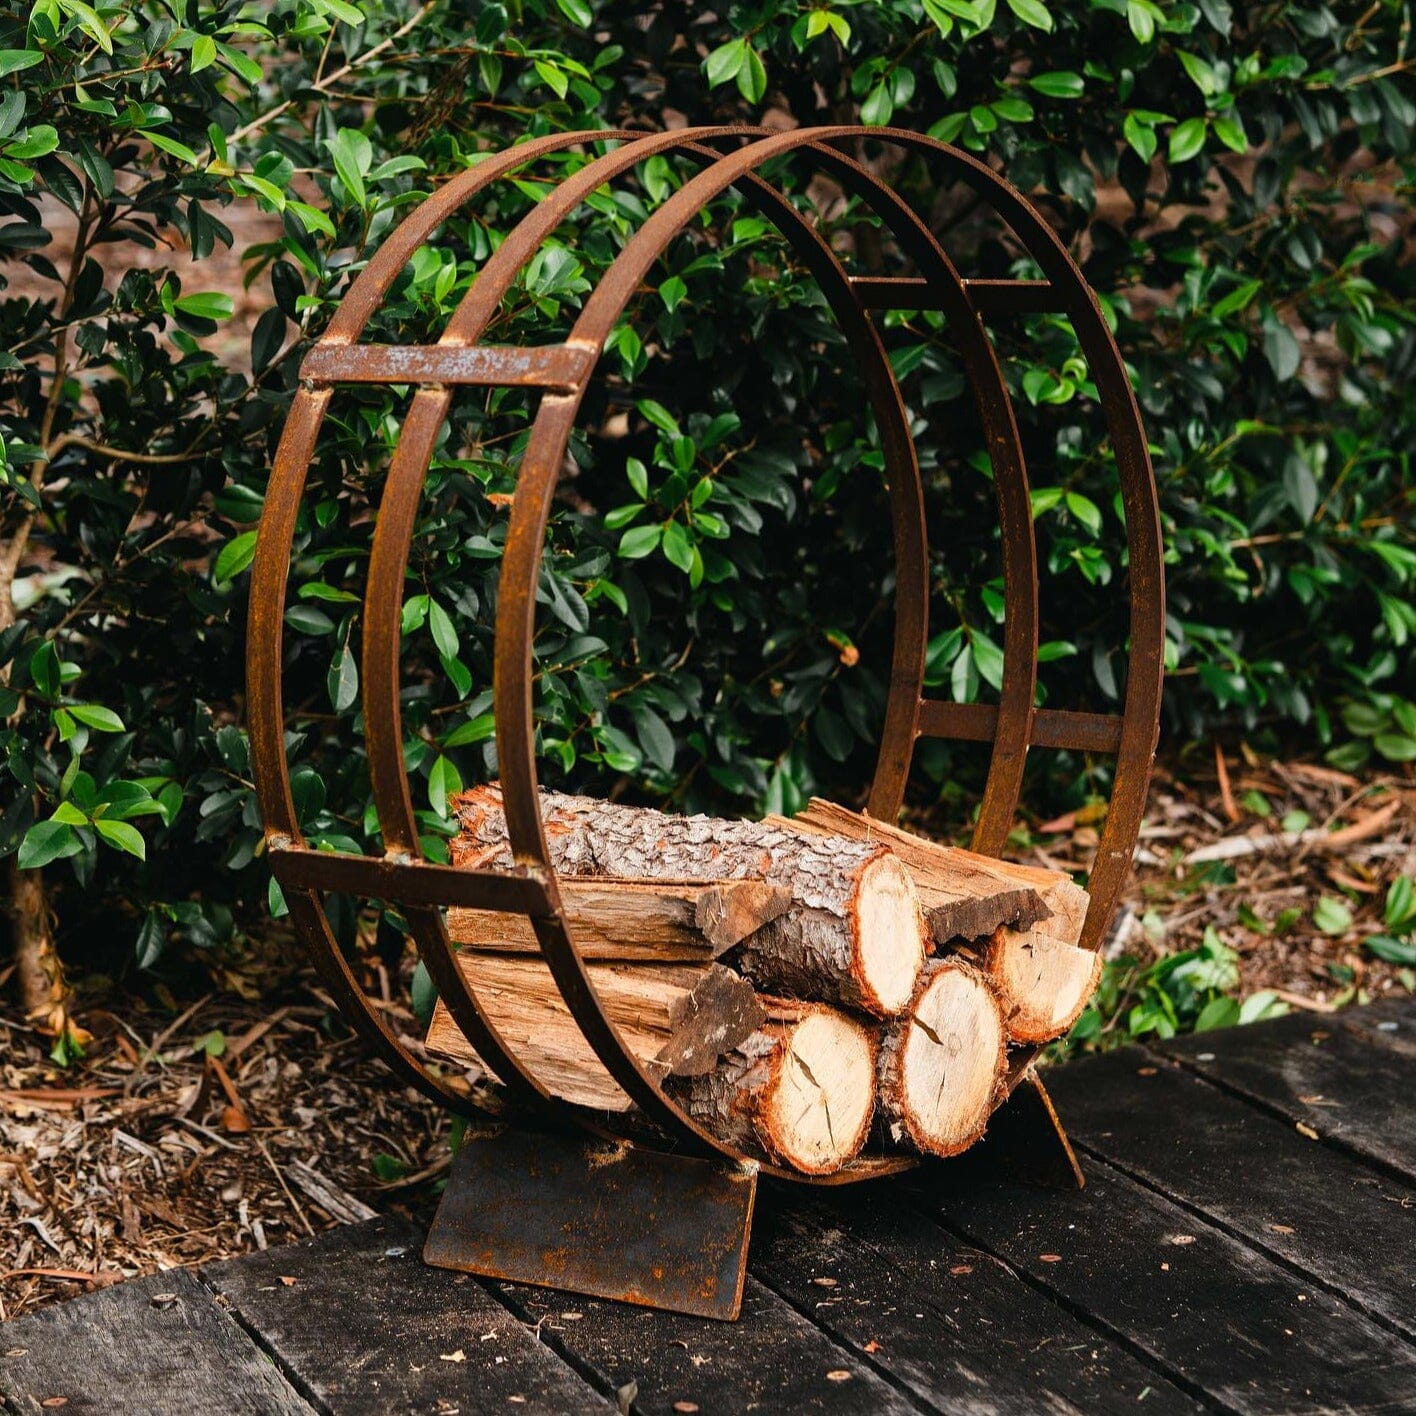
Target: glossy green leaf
x,y
45,842
1060,83
95,716
1187,139
1032,12
124,837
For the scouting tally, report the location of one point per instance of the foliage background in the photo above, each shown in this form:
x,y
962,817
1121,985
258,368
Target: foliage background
x,y
1235,179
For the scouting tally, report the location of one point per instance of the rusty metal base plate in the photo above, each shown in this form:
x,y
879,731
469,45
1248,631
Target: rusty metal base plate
x,y
611,1220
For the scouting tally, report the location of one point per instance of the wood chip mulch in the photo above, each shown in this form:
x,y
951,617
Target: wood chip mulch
x,y
178,1140
248,1117
1252,849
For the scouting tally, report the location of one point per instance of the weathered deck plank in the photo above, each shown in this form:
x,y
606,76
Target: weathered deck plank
x,y
771,1360
118,1351
948,1322
365,1326
1219,1259
1222,1320
1345,1076
1324,1212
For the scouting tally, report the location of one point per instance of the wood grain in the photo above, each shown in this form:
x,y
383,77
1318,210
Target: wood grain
x,y
129,1350
1328,1215
1343,1076
687,921
676,1018
946,1321
1211,1312
367,1327
773,1360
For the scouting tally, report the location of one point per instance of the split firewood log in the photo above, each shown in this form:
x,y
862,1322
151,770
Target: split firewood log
x,y
790,1082
676,1019
1045,983
1044,977
852,935
965,895
941,1064
800,1091
685,921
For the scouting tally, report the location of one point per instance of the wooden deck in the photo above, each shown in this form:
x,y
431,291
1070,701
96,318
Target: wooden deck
x,y
1246,1243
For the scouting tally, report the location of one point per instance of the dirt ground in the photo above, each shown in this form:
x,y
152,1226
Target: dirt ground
x,y
245,1117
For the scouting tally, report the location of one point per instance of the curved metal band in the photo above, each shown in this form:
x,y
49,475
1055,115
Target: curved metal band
x,y
525,544
383,602
540,468
1010,479
516,614
269,576
516,734
1140,724
398,510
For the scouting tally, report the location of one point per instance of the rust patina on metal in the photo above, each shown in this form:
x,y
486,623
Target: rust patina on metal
x,y
729,157
598,1217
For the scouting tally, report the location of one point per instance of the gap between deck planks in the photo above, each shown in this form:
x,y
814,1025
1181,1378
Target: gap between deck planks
x,y
157,1346
364,1326
1348,1076
1326,1215
889,1282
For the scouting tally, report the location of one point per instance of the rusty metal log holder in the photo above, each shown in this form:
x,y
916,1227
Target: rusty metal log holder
x,y
556,1211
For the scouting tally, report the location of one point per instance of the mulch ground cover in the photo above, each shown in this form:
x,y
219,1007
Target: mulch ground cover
x,y
245,1116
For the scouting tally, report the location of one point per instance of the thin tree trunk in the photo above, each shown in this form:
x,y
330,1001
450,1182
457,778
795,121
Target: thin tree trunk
x,y
44,993
39,973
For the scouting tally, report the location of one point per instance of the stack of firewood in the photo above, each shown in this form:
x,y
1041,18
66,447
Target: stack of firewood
x,y
798,987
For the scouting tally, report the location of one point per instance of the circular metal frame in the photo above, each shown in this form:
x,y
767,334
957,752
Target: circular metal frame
x,y
562,373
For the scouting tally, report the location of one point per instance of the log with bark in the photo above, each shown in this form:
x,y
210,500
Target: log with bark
x,y
785,1081
683,921
941,1064
677,1019
853,934
1044,977
800,1091
809,916
965,895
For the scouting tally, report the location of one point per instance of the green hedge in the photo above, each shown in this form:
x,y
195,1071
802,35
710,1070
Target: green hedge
x,y
718,589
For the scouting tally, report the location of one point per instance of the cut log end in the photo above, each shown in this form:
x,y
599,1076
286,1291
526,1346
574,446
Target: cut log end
x,y
818,1108
1045,983
941,1065
889,936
